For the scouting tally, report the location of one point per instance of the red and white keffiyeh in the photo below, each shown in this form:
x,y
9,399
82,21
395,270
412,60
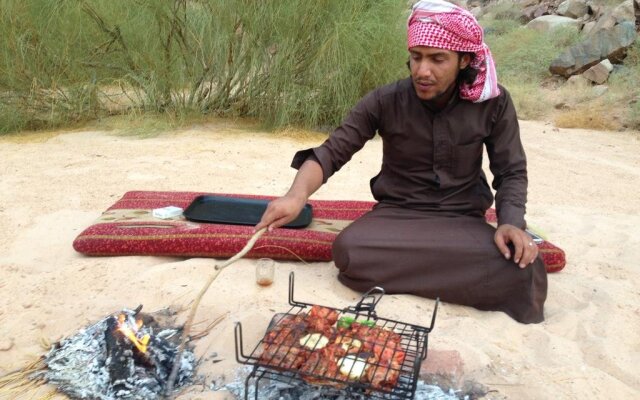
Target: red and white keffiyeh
x,y
438,23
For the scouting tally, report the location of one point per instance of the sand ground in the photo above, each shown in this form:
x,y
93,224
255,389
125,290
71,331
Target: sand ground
x,y
584,194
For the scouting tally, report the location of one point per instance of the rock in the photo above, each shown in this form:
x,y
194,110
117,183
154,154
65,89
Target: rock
x,y
535,11
548,23
607,64
588,27
578,82
528,3
6,344
610,43
443,368
624,12
599,73
573,8
599,90
472,390
562,106
607,21
476,12
460,3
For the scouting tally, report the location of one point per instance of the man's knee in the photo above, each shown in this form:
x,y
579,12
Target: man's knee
x,y
342,244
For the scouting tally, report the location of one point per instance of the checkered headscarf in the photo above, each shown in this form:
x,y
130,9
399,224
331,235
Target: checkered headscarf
x,y
437,23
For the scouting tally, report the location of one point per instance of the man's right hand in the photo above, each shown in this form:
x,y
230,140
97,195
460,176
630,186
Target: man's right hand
x,y
285,209
280,212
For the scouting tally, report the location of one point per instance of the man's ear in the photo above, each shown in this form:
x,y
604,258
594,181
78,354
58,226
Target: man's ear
x,y
465,60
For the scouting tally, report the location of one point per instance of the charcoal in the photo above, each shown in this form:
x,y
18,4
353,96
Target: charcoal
x,y
98,363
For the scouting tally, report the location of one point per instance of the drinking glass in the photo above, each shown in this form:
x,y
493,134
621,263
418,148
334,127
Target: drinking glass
x,y
265,269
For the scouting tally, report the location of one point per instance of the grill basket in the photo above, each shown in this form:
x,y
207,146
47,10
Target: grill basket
x,y
286,351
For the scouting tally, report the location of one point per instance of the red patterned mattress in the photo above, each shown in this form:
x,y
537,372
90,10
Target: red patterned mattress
x,y
128,228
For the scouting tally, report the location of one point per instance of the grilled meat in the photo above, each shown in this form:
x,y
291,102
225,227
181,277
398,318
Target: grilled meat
x,y
379,349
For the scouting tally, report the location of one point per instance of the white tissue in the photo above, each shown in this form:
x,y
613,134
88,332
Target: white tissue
x,y
167,212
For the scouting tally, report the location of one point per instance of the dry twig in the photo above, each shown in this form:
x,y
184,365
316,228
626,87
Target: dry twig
x,y
20,382
283,248
208,329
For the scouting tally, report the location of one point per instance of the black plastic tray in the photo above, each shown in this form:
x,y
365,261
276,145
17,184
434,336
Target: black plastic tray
x,y
237,211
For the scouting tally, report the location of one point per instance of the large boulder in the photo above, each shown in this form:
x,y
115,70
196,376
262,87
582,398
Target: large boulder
x,y
528,3
588,27
548,23
609,43
534,9
573,8
624,12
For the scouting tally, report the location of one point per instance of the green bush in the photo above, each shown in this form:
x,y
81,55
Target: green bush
x,y
505,10
283,62
523,54
522,58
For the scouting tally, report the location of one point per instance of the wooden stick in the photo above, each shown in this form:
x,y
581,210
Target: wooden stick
x,y
196,303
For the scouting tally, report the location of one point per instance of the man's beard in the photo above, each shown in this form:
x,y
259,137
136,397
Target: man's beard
x,y
441,94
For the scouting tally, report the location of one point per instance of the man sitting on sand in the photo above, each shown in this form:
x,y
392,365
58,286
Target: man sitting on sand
x,y
427,234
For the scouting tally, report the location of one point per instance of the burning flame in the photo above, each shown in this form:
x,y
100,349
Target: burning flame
x,y
130,328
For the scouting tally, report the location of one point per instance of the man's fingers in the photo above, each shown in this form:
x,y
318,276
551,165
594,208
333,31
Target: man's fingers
x,y
519,245
278,223
530,251
269,216
502,245
525,250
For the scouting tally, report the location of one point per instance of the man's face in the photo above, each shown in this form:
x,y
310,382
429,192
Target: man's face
x,y
434,70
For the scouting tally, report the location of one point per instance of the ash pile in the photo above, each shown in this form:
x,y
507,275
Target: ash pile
x,y
275,390
128,355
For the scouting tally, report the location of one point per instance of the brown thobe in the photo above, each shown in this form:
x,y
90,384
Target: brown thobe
x,y
427,235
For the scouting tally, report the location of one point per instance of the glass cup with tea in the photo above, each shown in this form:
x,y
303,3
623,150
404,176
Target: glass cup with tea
x,y
265,270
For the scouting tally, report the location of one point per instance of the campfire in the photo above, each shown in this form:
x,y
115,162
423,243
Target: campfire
x,y
128,355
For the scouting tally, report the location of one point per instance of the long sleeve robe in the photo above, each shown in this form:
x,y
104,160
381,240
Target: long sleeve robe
x,y
427,235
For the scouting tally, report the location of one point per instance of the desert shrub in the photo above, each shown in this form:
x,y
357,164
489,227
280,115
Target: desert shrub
x,y
283,62
505,10
530,102
497,27
624,87
523,54
592,115
522,58
633,121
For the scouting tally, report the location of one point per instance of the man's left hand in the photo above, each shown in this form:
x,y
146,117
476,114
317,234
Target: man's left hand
x,y
526,250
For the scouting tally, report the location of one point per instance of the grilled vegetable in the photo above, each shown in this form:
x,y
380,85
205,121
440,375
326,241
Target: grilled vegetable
x,y
314,341
345,322
348,343
353,367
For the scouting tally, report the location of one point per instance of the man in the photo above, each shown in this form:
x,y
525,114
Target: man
x,y
427,235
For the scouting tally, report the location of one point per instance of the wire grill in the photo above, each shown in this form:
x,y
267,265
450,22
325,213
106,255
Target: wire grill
x,y
288,354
